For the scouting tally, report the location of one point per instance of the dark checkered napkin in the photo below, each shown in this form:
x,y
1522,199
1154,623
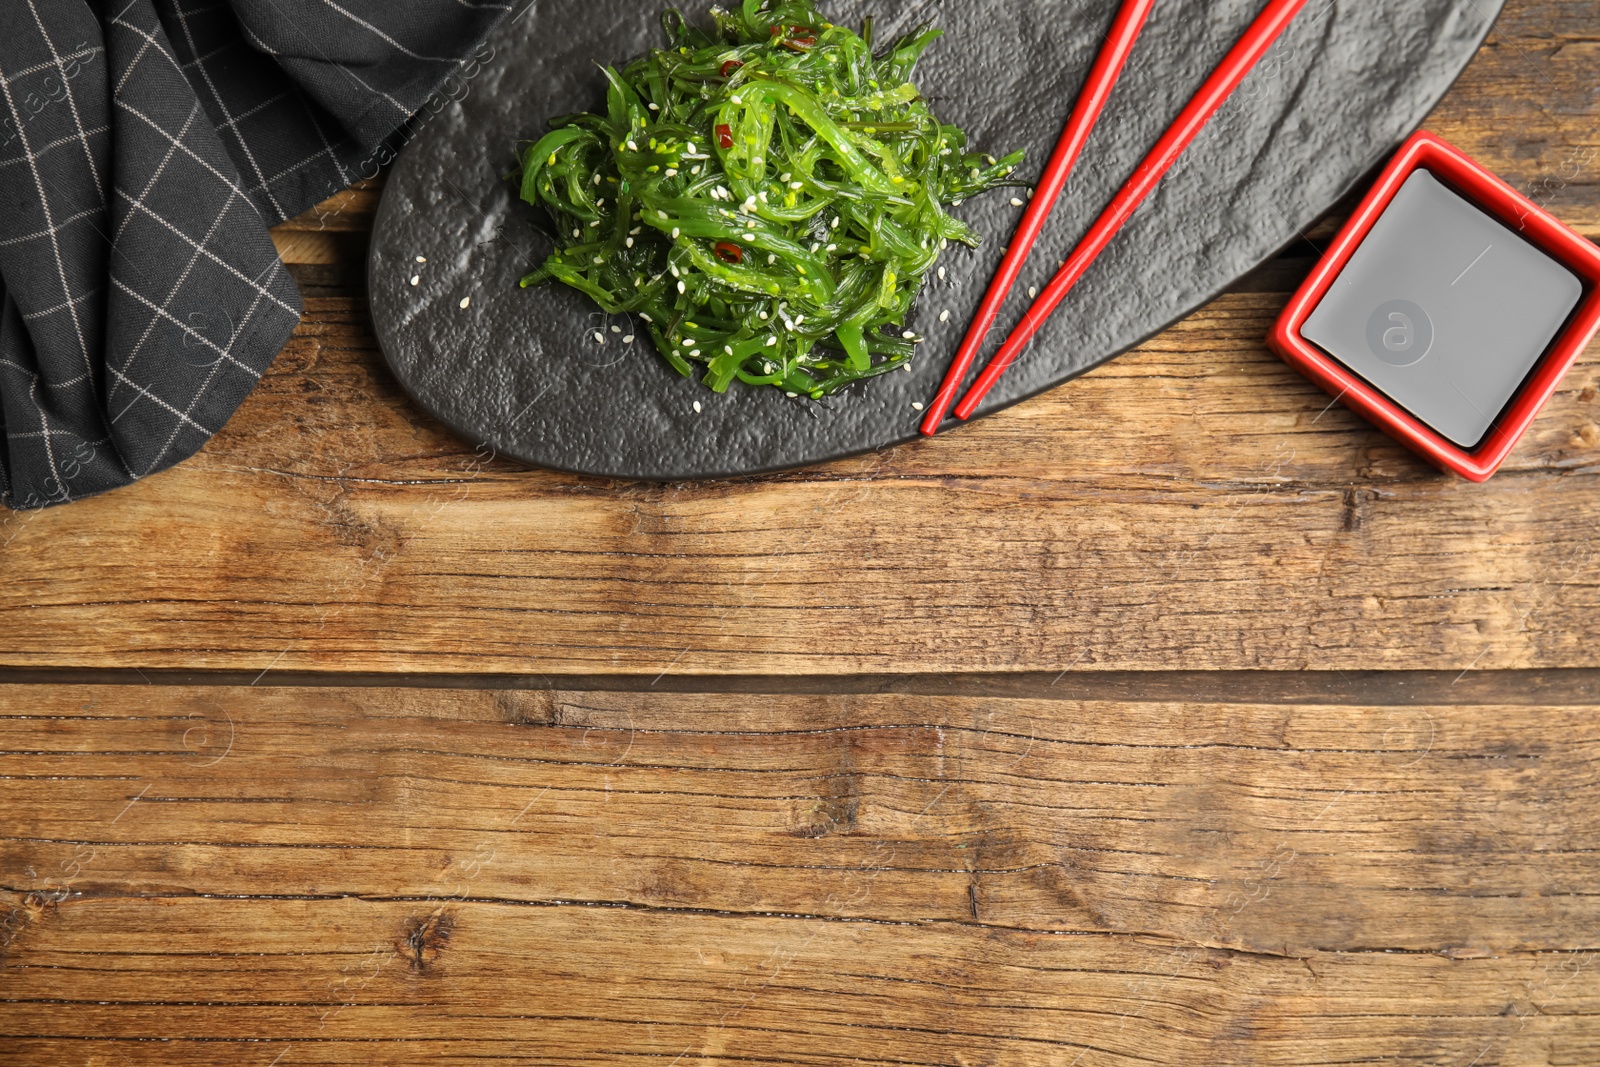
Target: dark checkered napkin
x,y
145,147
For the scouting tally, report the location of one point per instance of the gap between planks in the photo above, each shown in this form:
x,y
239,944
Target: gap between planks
x,y
1521,688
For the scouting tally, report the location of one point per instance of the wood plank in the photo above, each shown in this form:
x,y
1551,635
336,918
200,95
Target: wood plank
x,y
1291,829
341,876
289,982
1195,504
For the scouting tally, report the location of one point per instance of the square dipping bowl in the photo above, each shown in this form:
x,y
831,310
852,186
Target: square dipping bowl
x,y
1447,309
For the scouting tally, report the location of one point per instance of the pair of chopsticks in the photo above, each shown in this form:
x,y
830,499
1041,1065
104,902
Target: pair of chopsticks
x,y
1125,30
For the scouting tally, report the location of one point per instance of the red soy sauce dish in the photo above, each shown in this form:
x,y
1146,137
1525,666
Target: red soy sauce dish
x,y
1447,309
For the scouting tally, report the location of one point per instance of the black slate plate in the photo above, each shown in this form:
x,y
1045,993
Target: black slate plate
x,y
519,371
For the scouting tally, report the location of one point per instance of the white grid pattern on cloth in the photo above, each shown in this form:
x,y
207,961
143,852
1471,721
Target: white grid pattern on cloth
x,y
378,93
161,312
140,295
66,83
45,431
179,402
230,122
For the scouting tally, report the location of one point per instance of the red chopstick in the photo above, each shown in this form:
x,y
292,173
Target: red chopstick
x,y
1261,36
1102,79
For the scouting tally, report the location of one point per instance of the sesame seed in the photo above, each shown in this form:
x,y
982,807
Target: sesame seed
x,y
916,405
599,260
749,237
697,407
676,233
628,340
616,329
943,244
908,335
944,316
646,318
663,214
577,233
672,172
634,148
791,395
599,338
771,341
416,279
465,301
835,222
682,288
941,274
1016,202
597,178
653,106
629,242
692,149
1033,291
695,354
422,259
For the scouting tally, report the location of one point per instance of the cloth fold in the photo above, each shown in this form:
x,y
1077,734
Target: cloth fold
x,y
145,148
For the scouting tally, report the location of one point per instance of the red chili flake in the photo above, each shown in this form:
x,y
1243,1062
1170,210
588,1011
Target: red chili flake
x,y
800,39
728,252
730,66
725,135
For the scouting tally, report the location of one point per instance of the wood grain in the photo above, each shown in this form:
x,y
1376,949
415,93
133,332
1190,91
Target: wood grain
x,y
222,874
1193,505
290,983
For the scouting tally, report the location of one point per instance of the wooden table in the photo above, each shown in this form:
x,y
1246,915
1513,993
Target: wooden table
x,y
1173,717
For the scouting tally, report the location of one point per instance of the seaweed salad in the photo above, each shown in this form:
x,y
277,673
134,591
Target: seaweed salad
x,y
767,196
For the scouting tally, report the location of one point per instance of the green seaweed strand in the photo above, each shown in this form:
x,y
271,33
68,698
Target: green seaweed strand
x,y
766,195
